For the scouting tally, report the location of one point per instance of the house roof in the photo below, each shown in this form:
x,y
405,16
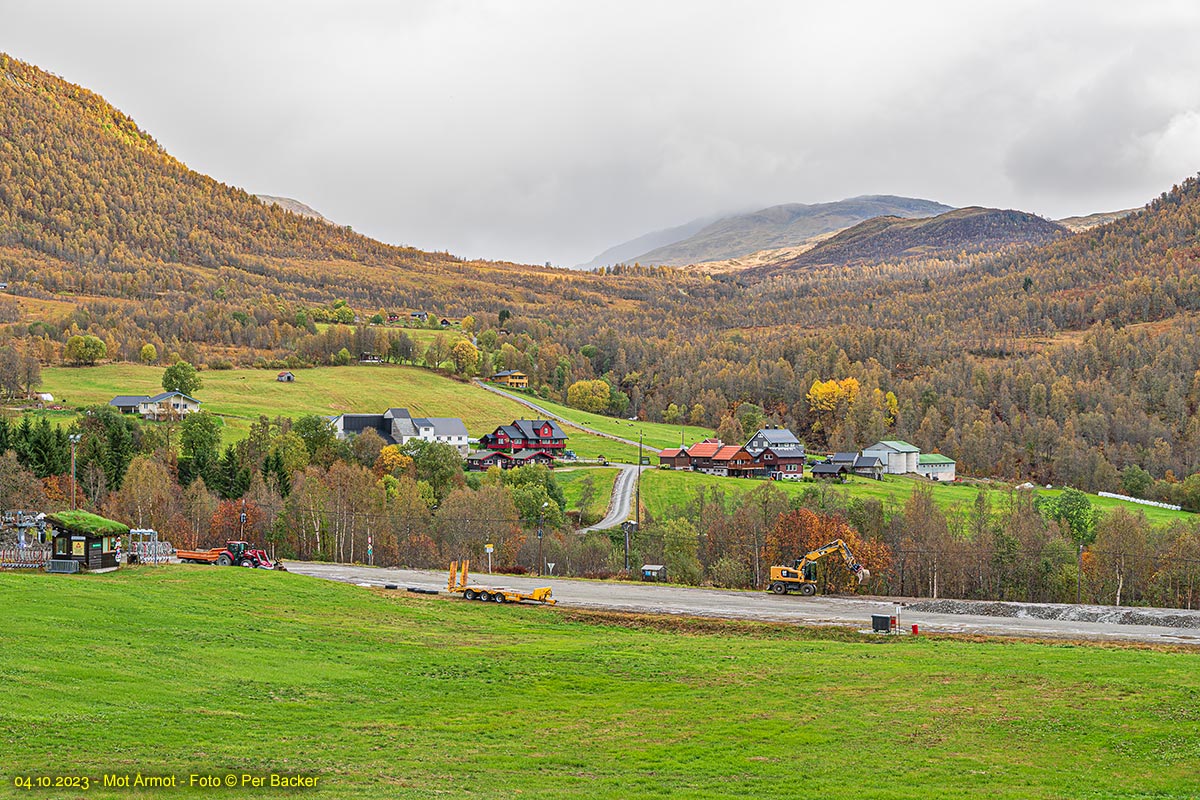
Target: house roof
x,y
285,372
528,429
828,468
867,462
776,436
671,452
483,455
129,400
896,445
727,452
929,459
528,453
158,398
848,458
786,450
446,426
508,372
706,449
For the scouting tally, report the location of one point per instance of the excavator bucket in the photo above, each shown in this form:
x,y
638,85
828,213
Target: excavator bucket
x,y
863,574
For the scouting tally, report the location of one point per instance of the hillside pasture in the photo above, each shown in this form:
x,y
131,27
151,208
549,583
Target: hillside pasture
x,y
240,396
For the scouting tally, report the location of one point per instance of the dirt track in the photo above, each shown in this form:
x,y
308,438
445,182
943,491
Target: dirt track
x,y
648,598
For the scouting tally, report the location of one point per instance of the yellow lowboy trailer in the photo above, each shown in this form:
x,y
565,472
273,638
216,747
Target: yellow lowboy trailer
x,y
492,594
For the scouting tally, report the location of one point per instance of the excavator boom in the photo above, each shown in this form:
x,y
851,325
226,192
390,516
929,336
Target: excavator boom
x,y
860,572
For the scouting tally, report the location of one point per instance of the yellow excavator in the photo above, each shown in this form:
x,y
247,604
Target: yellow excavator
x,y
802,576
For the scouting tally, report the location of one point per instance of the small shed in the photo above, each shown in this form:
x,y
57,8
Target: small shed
x,y
87,539
828,470
654,572
285,377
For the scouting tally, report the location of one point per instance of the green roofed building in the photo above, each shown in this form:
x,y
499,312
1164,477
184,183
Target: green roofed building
x,y
936,467
87,539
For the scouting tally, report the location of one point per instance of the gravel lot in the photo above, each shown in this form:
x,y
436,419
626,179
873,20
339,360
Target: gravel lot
x,y
854,611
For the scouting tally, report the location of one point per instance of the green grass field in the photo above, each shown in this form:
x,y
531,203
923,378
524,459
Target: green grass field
x,y
603,479
663,490
655,434
180,670
239,396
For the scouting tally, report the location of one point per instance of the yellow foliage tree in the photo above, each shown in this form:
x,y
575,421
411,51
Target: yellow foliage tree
x,y
392,461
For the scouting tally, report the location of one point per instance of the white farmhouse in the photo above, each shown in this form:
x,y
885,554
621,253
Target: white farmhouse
x,y
397,426
897,457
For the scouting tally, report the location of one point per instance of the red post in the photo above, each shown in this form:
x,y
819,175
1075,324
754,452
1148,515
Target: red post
x,y
915,631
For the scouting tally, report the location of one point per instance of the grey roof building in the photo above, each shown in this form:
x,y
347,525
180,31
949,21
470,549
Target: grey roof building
x,y
781,441
398,426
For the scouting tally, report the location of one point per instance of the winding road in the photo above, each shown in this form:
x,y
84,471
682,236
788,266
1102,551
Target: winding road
x,y
557,417
621,504
620,507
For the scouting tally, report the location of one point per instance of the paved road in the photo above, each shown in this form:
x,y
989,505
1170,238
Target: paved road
x,y
762,606
621,505
525,401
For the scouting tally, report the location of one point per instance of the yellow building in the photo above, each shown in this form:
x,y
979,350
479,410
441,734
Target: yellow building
x,y
512,379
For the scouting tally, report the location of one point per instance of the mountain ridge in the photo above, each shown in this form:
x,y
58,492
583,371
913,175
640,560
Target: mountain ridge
x,y
963,230
785,225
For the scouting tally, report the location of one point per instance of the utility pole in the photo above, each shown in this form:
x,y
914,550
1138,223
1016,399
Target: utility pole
x,y
74,437
1079,574
541,521
637,513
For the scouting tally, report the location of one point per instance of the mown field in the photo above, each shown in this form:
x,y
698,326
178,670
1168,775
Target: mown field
x,y
571,481
657,435
663,490
239,396
176,670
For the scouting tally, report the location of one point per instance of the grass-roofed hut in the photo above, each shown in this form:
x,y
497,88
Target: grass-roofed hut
x,y
89,540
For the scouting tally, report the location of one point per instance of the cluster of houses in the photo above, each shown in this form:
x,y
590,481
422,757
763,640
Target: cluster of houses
x,y
523,442
777,454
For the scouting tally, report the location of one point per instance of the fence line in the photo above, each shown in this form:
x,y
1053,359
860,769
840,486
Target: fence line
x,y
23,557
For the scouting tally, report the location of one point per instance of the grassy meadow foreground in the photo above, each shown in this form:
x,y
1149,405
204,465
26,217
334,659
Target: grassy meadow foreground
x,y
174,670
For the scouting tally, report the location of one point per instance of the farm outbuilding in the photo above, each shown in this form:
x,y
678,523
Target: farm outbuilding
x,y
88,540
936,467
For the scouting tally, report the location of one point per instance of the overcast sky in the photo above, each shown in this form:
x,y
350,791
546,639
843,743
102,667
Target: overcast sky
x,y
549,131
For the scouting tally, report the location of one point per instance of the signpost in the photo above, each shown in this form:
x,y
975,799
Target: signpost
x,y
488,549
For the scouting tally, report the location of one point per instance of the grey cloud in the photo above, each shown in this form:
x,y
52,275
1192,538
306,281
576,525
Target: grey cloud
x,y
537,131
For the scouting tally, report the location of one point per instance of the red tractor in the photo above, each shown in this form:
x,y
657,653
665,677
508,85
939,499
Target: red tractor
x,y
232,553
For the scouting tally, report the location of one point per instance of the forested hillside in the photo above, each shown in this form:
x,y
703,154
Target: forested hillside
x,y
1068,362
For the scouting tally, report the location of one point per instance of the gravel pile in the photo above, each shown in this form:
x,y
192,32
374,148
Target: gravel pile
x,y
1168,617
